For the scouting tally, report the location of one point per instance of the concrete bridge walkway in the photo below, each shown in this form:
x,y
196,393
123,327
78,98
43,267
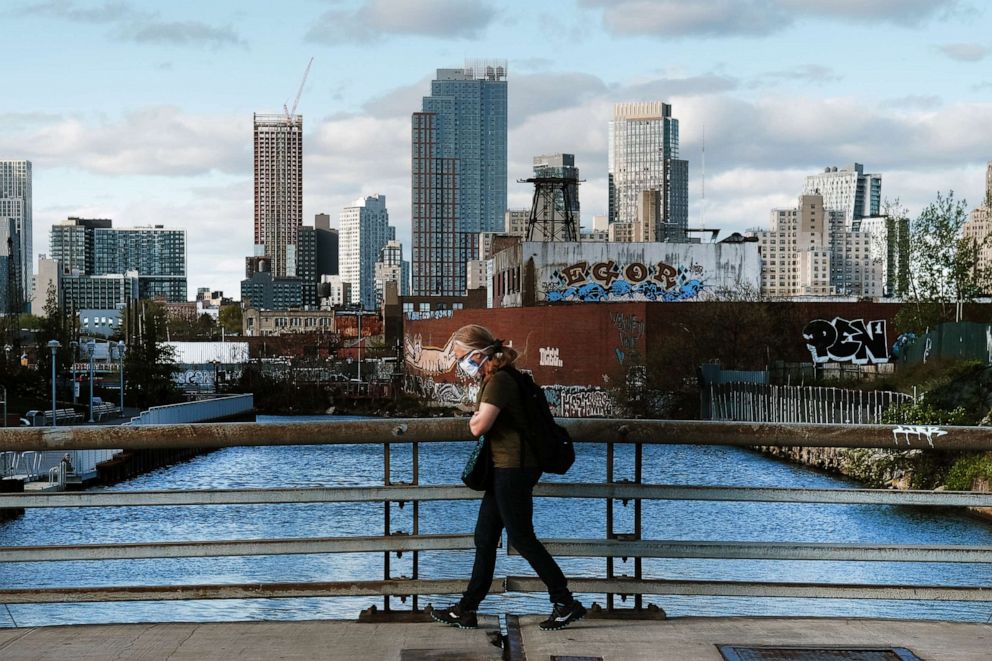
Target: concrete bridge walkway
x,y
679,639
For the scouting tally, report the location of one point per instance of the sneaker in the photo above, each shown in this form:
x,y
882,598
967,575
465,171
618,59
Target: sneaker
x,y
456,617
562,615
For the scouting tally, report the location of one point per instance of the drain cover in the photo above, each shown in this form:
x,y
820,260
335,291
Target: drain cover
x,y
740,653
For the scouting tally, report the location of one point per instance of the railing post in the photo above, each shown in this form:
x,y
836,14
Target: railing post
x,y
387,527
638,469
415,481
609,521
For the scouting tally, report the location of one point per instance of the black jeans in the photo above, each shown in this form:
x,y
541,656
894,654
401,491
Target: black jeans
x,y
510,503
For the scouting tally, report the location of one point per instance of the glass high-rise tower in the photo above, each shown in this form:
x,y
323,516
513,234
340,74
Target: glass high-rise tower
x,y
16,226
644,156
459,173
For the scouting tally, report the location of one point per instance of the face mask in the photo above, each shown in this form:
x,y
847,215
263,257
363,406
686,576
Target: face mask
x,y
469,366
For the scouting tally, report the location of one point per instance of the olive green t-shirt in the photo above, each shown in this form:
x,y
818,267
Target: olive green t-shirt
x,y
501,391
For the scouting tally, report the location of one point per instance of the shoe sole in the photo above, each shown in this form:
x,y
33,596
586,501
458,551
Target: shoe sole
x,y
563,624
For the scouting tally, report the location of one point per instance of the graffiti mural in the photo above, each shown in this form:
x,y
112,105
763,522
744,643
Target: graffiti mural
x,y
634,281
630,329
429,360
840,340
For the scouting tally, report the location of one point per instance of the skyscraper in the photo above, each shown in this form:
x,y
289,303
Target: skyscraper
x,y
459,173
644,156
278,190
15,204
365,230
848,190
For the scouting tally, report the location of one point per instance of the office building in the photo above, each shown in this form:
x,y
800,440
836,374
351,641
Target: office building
x,y
71,243
888,248
278,149
11,298
306,264
848,190
810,251
327,245
334,292
93,247
978,227
364,232
459,173
157,253
46,279
264,292
515,222
644,156
391,267
98,292
15,205
600,230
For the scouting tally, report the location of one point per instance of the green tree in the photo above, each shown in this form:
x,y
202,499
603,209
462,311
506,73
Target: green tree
x,y
56,325
944,269
149,363
231,318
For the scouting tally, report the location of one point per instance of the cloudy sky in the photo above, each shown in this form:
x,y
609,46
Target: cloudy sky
x,y
142,111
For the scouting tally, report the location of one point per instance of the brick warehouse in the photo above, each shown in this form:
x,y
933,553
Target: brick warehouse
x,y
589,347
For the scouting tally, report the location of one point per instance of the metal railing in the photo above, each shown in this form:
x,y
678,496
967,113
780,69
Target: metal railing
x,y
413,432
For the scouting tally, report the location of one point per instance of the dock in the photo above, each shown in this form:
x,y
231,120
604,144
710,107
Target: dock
x,y
678,639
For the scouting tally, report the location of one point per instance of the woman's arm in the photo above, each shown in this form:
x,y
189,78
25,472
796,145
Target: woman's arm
x,y
483,419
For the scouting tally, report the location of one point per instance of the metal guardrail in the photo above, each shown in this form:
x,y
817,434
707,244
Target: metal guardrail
x,y
616,545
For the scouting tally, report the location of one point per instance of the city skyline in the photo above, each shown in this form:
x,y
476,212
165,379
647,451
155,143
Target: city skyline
x,y
142,115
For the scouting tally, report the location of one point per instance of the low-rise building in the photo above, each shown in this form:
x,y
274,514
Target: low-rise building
x,y
538,273
257,322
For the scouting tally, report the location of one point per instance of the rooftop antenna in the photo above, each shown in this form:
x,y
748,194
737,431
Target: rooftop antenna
x,y
290,114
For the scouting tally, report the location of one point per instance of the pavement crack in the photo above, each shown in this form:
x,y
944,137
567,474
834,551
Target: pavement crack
x,y
182,642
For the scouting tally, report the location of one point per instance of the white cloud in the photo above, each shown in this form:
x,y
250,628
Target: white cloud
x,y
160,140
134,24
964,52
374,19
676,19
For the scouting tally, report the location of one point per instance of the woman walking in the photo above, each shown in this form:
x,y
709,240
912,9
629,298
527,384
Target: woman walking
x,y
508,502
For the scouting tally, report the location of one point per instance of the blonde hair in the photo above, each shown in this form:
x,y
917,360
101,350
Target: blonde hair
x,y
479,338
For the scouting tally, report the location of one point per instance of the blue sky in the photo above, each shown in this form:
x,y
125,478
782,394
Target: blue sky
x,y
141,111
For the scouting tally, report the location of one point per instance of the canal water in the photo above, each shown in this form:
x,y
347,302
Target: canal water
x,y
326,466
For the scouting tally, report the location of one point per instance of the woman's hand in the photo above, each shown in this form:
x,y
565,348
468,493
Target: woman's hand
x,y
483,419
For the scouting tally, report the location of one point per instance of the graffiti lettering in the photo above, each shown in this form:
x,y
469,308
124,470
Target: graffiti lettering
x,y
666,275
639,282
578,401
575,273
635,272
928,433
841,340
549,357
630,329
605,272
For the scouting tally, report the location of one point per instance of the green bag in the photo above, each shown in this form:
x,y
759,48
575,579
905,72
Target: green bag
x,y
478,472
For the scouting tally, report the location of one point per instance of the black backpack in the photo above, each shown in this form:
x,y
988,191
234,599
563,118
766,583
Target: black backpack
x,y
550,442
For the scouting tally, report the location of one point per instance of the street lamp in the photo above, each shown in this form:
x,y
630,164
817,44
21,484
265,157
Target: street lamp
x,y
75,386
121,348
90,351
54,346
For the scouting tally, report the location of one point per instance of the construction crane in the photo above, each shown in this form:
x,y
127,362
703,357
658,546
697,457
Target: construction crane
x,y
290,114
